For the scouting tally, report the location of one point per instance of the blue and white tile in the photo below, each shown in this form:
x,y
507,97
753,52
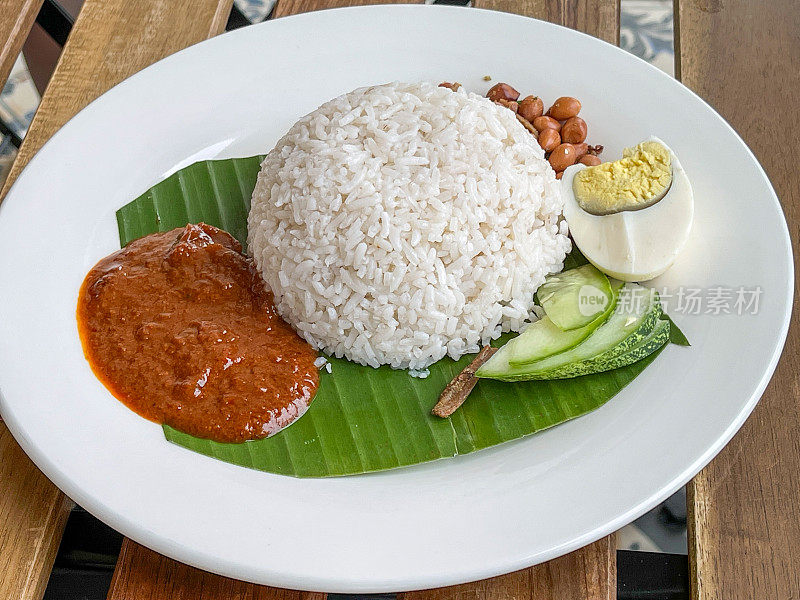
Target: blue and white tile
x,y
19,98
646,30
255,10
18,102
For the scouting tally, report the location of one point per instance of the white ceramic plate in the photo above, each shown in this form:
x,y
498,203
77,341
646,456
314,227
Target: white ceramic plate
x,y
441,523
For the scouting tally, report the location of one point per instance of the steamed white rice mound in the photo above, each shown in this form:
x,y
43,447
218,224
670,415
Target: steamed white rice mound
x,y
403,222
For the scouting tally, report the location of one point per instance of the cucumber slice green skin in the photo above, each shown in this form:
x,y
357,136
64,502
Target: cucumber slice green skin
x,y
618,334
560,296
655,340
543,338
649,322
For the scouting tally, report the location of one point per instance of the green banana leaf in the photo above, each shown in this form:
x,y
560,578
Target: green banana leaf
x,y
676,336
362,419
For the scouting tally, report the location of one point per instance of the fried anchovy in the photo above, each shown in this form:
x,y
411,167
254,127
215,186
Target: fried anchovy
x,y
457,390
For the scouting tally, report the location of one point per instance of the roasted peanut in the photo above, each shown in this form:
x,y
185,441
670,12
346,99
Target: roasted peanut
x,y
590,160
559,175
565,108
549,139
450,86
542,123
560,131
562,157
502,91
574,130
531,107
580,150
509,104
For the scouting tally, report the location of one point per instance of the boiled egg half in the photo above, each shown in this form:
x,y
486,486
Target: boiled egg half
x,y
630,218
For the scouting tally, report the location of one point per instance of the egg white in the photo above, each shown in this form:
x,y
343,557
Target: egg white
x,y
633,245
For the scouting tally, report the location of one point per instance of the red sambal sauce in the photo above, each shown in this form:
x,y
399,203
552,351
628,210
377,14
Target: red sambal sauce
x,y
180,327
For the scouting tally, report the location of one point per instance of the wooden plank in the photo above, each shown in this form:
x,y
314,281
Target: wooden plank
x,y
599,18
744,508
16,20
284,8
33,513
587,574
591,572
142,574
111,40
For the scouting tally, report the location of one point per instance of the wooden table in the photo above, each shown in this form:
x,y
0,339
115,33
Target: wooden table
x,y
744,508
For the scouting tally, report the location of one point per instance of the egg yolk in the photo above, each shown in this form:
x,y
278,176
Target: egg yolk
x,y
641,178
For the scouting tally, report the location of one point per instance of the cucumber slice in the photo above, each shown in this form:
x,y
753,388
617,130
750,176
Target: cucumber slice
x,y
543,338
575,298
635,316
654,340
651,319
